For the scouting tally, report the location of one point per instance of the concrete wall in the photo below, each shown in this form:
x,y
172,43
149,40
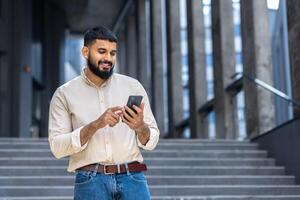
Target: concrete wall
x,y
293,15
282,143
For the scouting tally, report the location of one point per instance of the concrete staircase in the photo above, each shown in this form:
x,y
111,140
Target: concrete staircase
x,y
178,169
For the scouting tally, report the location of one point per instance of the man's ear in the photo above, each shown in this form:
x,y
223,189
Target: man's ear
x,y
85,52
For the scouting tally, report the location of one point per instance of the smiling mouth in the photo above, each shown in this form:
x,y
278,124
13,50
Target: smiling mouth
x,y
105,67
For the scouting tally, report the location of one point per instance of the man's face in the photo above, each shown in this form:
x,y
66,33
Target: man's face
x,y
101,58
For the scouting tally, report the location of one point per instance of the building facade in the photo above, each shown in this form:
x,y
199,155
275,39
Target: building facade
x,y
184,52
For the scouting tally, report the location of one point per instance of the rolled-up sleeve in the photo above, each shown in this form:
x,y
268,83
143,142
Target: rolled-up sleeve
x,y
153,140
150,121
63,140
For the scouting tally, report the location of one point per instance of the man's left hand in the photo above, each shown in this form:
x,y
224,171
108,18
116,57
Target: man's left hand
x,y
134,120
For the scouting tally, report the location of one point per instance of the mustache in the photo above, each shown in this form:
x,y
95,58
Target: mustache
x,y
105,62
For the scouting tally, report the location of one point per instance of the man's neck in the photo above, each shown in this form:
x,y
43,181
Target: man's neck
x,y
93,78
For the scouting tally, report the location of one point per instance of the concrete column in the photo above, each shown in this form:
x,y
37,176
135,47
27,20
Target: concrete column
x,y
174,66
259,103
6,114
143,37
53,57
5,96
158,46
197,68
21,65
224,66
122,60
131,46
293,15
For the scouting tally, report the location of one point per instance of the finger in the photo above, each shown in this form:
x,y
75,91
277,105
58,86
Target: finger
x,y
130,111
119,112
114,115
112,122
116,108
137,109
125,120
113,119
128,117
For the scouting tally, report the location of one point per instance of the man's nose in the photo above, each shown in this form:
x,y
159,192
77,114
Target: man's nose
x,y
107,57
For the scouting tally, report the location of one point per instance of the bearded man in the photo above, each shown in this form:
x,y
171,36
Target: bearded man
x,y
90,122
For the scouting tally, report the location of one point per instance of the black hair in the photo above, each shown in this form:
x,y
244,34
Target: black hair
x,y
100,33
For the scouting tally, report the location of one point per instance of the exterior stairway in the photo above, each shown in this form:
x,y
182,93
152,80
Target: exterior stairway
x,y
178,169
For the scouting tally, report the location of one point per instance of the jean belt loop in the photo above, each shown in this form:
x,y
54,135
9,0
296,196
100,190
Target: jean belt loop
x,y
119,168
96,169
127,169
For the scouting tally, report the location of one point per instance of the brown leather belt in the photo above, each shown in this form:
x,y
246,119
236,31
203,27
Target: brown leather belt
x,y
114,169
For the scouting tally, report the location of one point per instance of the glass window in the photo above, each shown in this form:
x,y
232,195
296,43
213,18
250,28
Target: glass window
x,y
74,61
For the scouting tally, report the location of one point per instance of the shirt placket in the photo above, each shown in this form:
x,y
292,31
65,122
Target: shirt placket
x,y
107,138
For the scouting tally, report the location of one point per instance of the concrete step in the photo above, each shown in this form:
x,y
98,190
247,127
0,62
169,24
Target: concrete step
x,y
160,190
50,161
155,180
160,146
219,197
157,153
50,197
227,141
220,180
152,170
207,146
177,169
231,197
16,139
224,190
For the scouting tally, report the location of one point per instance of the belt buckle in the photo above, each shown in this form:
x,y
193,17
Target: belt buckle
x,y
105,172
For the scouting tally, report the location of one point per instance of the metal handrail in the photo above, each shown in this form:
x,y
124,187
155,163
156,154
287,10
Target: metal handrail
x,y
267,87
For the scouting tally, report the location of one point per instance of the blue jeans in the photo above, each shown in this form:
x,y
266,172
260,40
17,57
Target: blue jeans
x,y
96,186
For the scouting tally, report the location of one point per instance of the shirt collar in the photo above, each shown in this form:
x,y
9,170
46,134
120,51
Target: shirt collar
x,y
89,82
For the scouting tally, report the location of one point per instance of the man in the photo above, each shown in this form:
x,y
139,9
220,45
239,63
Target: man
x,y
90,122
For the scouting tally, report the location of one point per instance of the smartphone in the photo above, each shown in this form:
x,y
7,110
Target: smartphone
x,y
134,100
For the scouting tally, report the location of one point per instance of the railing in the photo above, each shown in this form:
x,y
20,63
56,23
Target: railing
x,y
234,88
267,87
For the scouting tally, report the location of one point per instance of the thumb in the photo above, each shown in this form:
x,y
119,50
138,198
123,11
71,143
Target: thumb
x,y
142,105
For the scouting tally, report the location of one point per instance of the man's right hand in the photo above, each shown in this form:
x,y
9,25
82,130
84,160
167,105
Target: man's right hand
x,y
110,117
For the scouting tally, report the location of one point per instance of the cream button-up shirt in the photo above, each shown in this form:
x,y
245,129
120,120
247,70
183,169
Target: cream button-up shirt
x,y
79,102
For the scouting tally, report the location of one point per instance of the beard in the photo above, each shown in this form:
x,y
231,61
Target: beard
x,y
103,74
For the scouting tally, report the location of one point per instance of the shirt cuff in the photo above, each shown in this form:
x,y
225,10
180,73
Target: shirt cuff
x,y
152,142
75,138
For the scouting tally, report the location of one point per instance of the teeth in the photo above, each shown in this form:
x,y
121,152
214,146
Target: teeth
x,y
104,66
